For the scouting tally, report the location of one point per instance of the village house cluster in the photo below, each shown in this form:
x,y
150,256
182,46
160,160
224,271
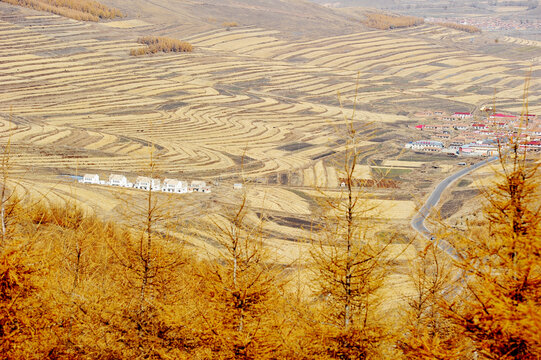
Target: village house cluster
x,y
491,23
147,183
464,134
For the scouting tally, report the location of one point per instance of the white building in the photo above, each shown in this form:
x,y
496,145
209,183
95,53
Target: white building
x,y
462,115
174,186
428,145
90,179
479,150
195,185
237,186
146,183
199,186
118,180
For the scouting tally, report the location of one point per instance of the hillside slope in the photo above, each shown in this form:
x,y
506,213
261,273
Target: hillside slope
x,y
296,18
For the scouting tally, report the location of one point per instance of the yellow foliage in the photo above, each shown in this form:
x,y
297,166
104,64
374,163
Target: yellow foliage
x,y
467,28
385,22
85,10
160,44
230,24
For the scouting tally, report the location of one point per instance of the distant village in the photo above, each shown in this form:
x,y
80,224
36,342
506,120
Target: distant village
x,y
491,23
462,134
149,184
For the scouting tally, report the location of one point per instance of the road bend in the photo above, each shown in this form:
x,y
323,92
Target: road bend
x,y
418,221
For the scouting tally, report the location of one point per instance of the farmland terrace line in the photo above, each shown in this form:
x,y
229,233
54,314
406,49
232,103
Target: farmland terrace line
x,y
119,85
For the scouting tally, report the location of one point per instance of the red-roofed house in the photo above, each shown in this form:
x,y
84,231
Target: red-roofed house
x,y
533,145
503,116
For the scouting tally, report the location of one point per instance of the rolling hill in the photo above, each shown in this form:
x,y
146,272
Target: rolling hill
x,y
258,99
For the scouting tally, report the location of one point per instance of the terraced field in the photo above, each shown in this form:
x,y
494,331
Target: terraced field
x,y
243,91
248,100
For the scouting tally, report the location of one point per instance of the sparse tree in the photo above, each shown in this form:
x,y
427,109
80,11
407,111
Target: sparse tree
x,y
427,334
500,258
241,289
350,265
149,311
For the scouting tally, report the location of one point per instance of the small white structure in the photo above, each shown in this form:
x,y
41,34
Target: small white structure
x,y
174,186
425,145
142,182
462,115
90,179
479,150
118,180
237,186
197,186
146,183
205,189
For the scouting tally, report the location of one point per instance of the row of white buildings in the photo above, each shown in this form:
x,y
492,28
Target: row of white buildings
x,y
477,148
425,145
147,183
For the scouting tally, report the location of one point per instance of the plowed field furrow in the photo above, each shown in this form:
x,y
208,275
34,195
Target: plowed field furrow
x,y
203,109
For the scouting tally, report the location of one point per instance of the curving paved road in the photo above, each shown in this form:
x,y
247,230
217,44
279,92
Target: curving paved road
x,y
418,220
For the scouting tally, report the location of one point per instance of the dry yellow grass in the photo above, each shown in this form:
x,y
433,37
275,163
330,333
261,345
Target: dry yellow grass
x,y
86,10
309,177
277,199
156,44
361,172
461,27
392,209
383,21
230,24
401,163
126,24
375,208
446,168
525,42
